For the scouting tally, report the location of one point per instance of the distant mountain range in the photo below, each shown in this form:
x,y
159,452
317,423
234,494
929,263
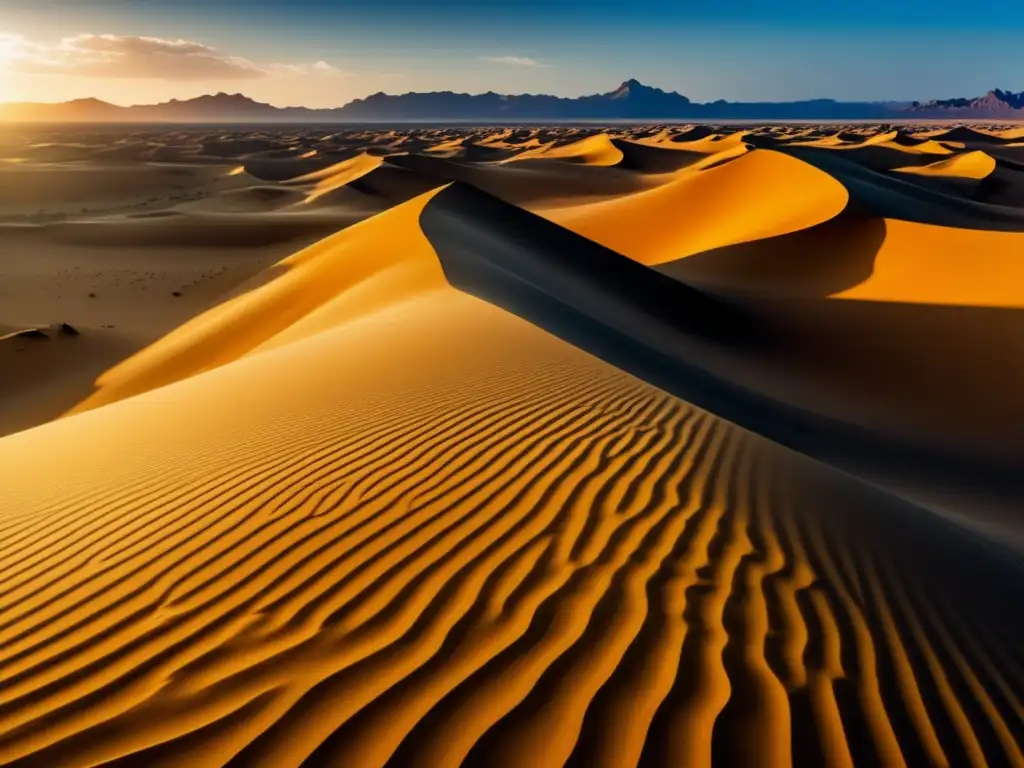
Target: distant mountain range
x,y
632,100
996,104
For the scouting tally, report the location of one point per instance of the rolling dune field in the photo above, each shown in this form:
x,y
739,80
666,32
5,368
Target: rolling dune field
x,y
526,446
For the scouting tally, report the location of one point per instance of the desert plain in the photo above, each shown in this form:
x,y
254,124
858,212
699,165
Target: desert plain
x,y
526,446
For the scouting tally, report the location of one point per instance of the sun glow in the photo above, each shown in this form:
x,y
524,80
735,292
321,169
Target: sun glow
x,y
7,43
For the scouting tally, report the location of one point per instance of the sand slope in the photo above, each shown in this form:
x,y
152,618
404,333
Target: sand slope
x,y
970,165
293,298
463,483
740,198
360,581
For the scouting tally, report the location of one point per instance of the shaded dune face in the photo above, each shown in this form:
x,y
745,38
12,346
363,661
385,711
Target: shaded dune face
x,y
684,340
660,446
884,194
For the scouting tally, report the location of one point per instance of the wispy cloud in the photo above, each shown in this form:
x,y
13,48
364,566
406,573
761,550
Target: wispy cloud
x,y
121,56
317,68
514,61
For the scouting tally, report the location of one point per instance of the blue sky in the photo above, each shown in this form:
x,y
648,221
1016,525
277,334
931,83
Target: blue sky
x,y
737,50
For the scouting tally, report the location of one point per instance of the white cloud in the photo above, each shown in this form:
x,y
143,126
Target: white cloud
x,y
515,61
120,56
15,46
319,68
324,68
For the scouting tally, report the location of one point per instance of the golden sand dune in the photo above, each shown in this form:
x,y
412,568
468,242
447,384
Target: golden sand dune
x,y
966,135
277,169
475,152
469,481
968,165
596,150
891,140
342,276
924,148
827,142
529,182
752,196
446,146
916,197
339,175
711,143
895,141
927,264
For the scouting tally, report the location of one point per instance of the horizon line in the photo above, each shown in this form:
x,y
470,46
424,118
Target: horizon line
x,y
488,92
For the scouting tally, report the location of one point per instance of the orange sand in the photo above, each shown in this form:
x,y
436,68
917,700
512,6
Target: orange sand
x,y
969,165
423,474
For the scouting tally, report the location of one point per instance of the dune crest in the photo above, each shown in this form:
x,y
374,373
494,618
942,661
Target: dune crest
x,y
969,165
345,276
593,150
739,197
339,175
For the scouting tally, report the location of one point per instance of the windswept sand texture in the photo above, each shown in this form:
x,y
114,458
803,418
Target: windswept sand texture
x,y
531,446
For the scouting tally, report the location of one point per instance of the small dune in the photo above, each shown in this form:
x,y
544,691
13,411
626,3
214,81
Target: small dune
x,y
709,143
886,141
596,150
327,179
967,136
656,156
968,165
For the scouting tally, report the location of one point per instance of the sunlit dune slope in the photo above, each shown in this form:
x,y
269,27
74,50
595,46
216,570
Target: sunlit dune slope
x,y
892,141
594,150
285,168
397,525
863,257
928,264
447,146
756,195
969,165
709,143
339,175
292,297
533,182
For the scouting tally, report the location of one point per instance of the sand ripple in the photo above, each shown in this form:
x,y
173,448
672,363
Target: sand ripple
x,y
369,512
